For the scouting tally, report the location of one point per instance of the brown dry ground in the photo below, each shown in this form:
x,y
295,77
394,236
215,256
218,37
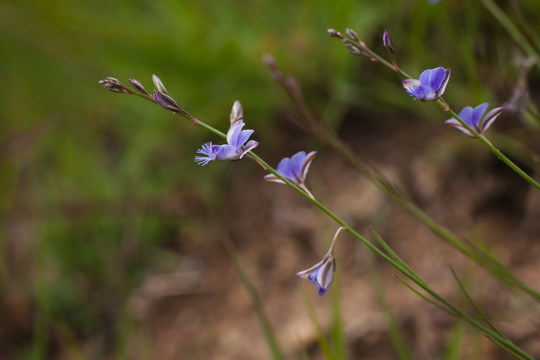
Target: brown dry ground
x,y
204,312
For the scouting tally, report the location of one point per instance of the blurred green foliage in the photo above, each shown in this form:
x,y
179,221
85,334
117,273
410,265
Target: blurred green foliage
x,y
97,189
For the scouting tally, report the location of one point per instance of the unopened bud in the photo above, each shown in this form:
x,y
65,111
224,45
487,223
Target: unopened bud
x,y
139,87
334,33
350,33
167,102
159,84
387,42
237,113
112,84
353,49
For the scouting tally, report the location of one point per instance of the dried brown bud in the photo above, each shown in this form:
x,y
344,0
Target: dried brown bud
x,y
112,84
167,102
387,42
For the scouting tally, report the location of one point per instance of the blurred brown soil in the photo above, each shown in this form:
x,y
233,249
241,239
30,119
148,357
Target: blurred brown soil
x,y
203,311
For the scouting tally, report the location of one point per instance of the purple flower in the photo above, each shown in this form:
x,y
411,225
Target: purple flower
x,y
237,146
430,86
322,273
475,119
294,168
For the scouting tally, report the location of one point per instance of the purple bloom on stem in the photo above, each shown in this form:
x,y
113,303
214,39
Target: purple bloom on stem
x,y
321,274
294,168
474,117
430,86
233,150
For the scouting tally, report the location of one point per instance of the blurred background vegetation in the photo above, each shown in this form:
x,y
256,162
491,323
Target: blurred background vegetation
x,y
99,189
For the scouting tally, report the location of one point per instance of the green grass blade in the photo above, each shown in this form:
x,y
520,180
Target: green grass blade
x,y
257,305
325,347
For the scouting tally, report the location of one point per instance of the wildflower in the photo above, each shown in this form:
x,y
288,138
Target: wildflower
x,y
237,145
430,86
322,273
475,119
294,169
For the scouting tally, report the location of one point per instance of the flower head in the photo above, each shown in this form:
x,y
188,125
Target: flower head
x,y
237,143
474,117
430,86
294,168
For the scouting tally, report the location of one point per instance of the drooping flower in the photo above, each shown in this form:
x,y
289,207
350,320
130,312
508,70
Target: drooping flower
x,y
430,86
474,117
237,144
294,168
322,273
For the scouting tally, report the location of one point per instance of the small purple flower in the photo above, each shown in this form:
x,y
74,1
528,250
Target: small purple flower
x,y
475,119
430,86
322,273
294,168
233,150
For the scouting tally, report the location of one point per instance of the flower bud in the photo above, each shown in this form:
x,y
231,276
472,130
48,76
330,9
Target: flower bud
x,y
167,102
387,42
237,112
112,84
350,33
159,84
138,86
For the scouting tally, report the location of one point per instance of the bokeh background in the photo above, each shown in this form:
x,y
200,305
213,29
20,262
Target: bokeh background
x,y
112,238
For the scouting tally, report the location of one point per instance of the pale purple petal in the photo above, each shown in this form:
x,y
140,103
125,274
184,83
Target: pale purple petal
x,y
453,122
466,115
296,164
285,169
242,138
227,152
436,78
442,87
490,118
251,144
307,162
234,132
477,114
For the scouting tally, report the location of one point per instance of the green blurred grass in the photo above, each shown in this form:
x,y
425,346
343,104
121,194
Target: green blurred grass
x,y
99,189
